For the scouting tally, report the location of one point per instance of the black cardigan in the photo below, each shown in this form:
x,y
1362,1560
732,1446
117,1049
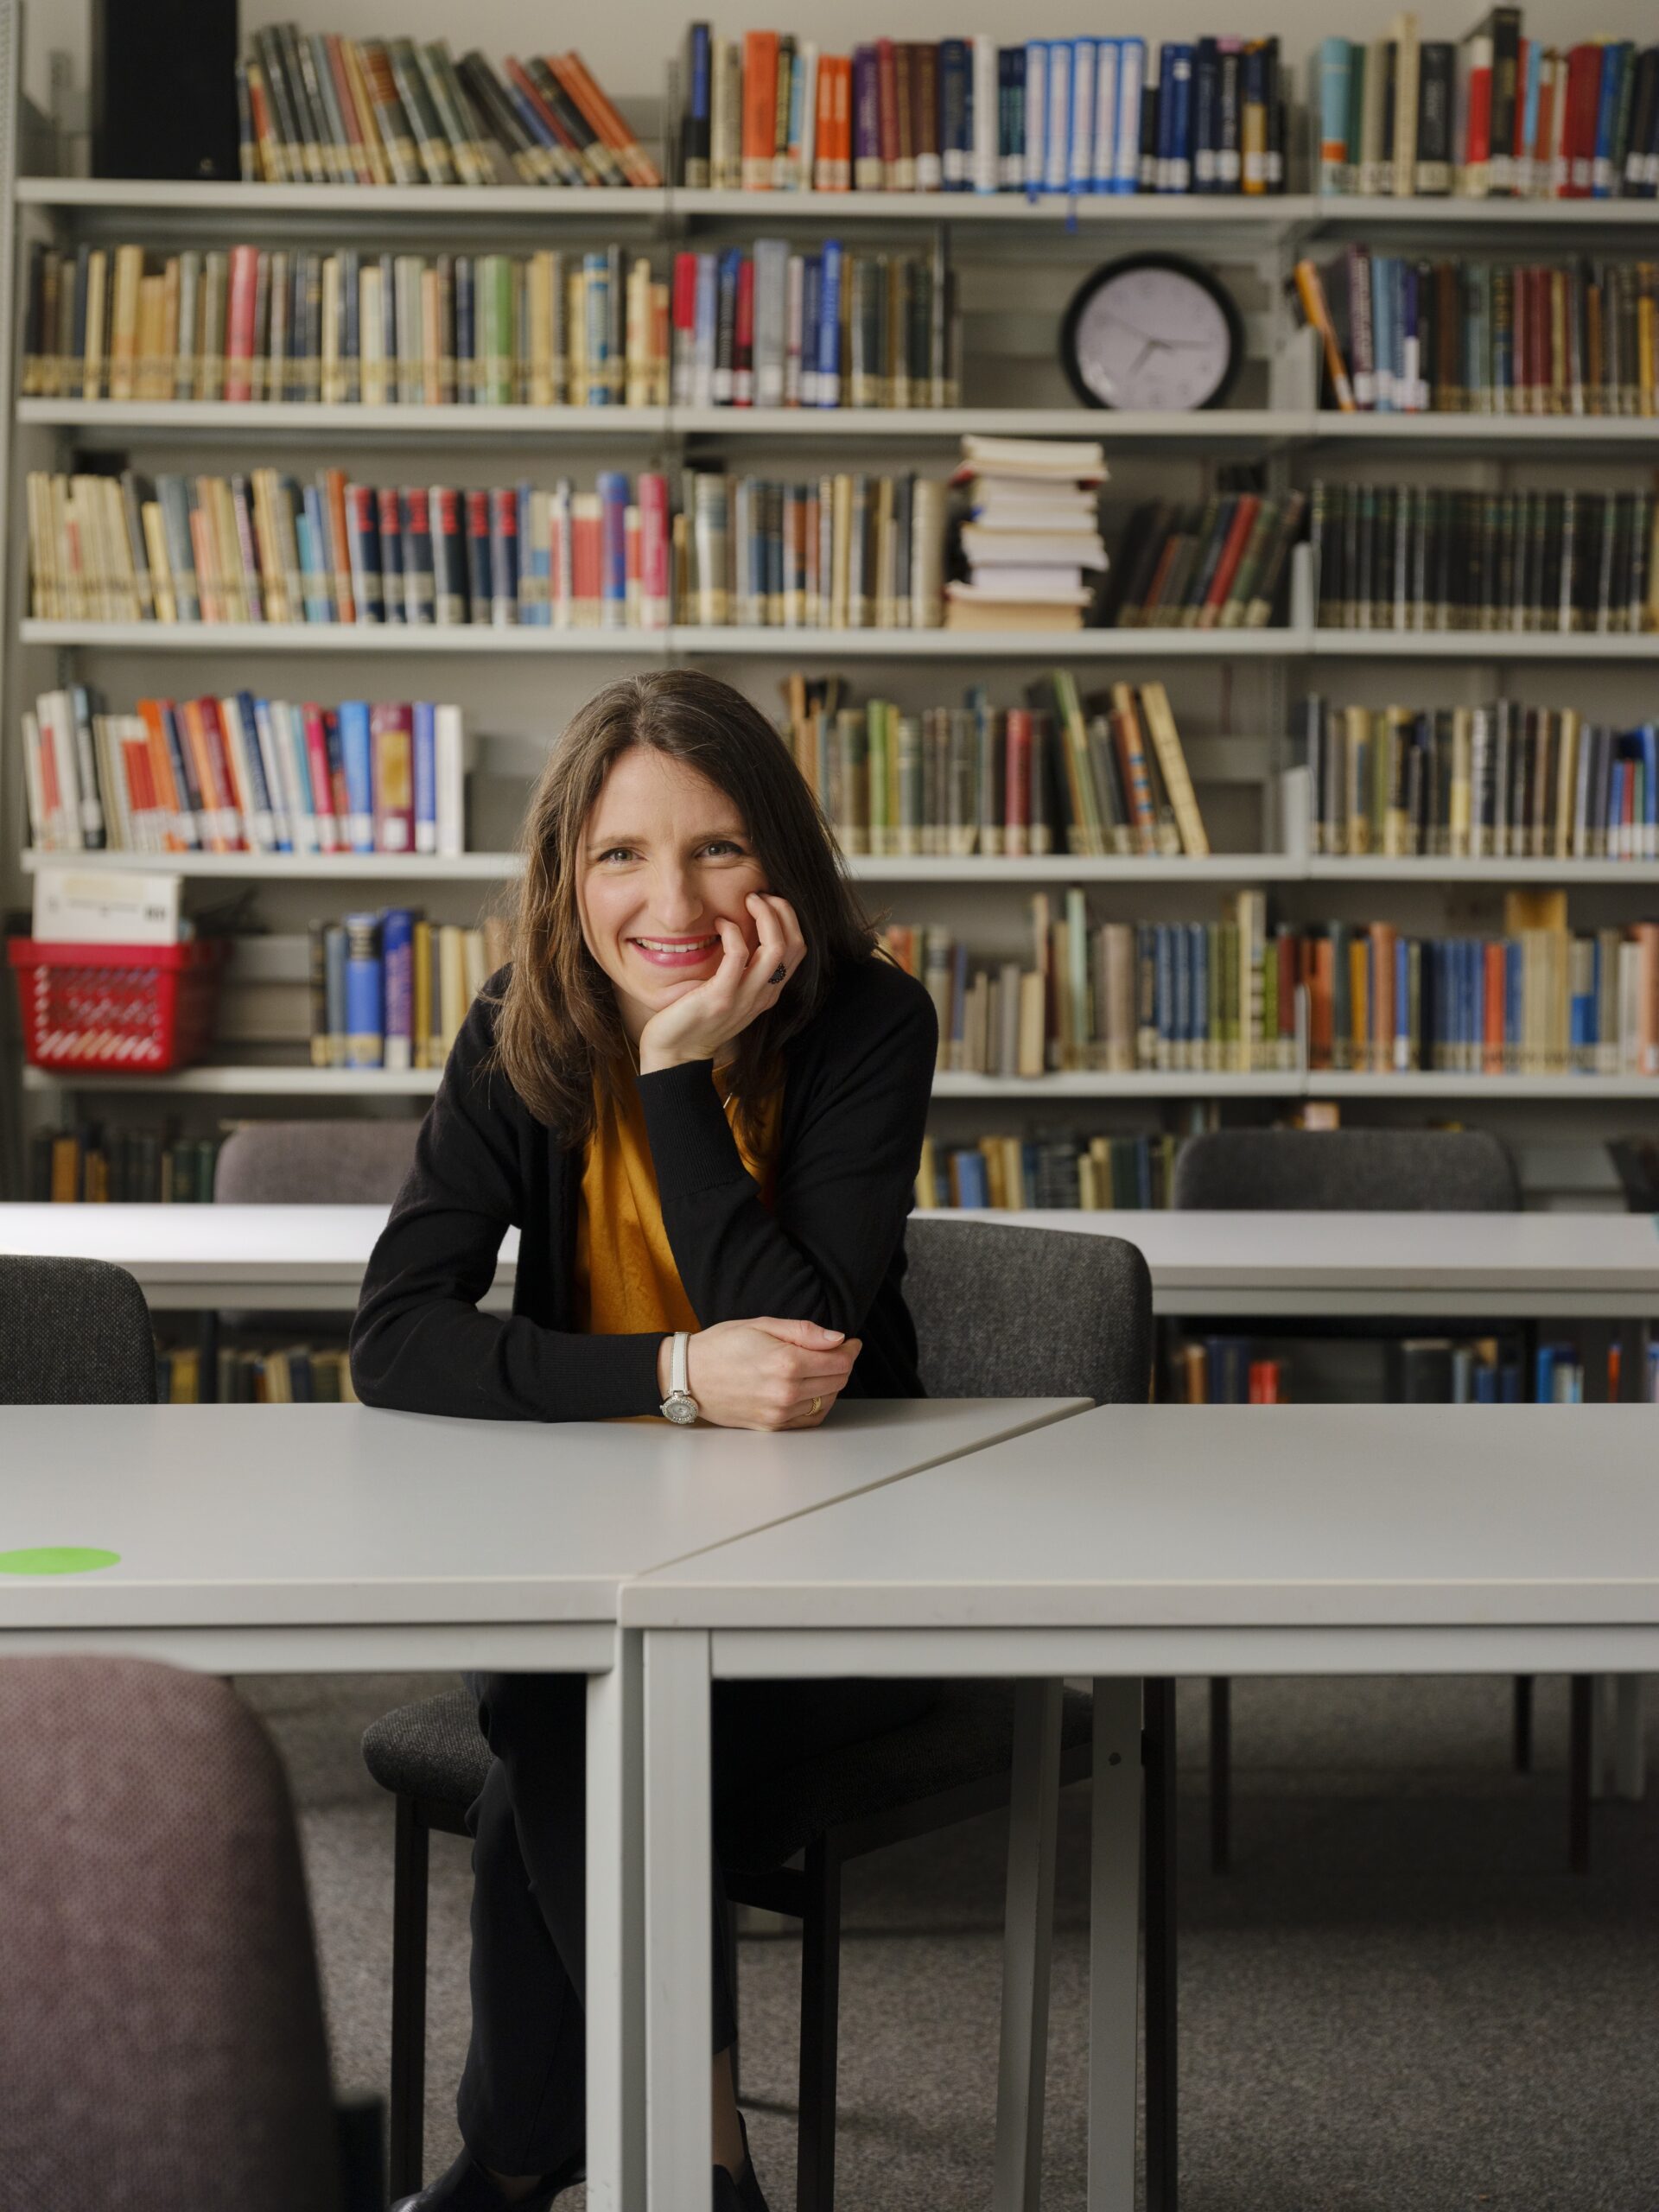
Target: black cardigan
x,y
857,1081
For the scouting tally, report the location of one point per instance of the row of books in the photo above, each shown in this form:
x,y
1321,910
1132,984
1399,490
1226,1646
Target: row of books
x,y
1234,996
391,989
842,551
1223,564
1487,337
1099,775
1504,781
1499,115
243,773
1404,557
1227,1371
318,109
764,326
286,1375
770,112
88,1163
1132,1173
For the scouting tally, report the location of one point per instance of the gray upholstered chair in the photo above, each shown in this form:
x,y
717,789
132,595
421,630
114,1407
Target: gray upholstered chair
x,y
1351,1171
73,1332
1000,1312
1330,1171
161,2041
343,1163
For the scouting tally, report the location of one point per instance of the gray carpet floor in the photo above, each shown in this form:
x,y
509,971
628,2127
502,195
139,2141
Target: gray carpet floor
x,y
1398,2001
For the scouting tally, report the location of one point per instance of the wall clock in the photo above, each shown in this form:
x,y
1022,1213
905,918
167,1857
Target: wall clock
x,y
1152,331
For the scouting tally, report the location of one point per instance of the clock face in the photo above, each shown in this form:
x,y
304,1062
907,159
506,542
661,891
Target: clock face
x,y
1152,337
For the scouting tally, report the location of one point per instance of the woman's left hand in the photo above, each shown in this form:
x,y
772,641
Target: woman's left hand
x,y
746,984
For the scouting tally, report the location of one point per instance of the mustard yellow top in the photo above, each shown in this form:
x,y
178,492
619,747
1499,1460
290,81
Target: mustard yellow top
x,y
626,1282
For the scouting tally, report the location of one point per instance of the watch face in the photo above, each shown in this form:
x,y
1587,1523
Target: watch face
x,y
1150,335
681,1408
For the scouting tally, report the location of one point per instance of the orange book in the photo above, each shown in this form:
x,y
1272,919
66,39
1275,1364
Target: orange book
x,y
1137,784
1492,1061
272,167
1310,290
1226,566
573,73
1359,1006
214,801
356,136
339,544
1382,938
1265,1380
1319,1003
760,108
161,769
822,178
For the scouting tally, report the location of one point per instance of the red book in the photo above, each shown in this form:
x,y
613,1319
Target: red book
x,y
1320,1003
1226,566
1478,138
886,107
822,178
336,752
239,334
1016,782
323,788
1492,997
683,317
1267,1378
654,594
743,337
1582,96
760,108
587,565
391,765
358,126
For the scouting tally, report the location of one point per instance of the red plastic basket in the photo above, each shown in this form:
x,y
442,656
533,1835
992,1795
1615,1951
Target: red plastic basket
x,y
138,1010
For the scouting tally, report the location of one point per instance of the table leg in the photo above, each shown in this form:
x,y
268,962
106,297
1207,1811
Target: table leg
x,y
1163,2177
1114,1944
616,2070
678,1961
1028,1928
1629,1748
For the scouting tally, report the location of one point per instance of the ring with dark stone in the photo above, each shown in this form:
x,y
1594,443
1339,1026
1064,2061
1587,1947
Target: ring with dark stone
x,y
778,974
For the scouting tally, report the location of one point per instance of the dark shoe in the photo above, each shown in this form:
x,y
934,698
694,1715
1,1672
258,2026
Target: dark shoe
x,y
467,2188
743,2195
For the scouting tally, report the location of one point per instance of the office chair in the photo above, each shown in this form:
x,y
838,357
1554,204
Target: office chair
x,y
1000,1312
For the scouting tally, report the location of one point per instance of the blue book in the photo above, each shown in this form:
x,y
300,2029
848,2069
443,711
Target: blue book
x,y
1164,991
1485,1380
1080,150
1614,56
956,114
357,753
1175,103
1057,145
1509,1383
1131,77
1543,1389
271,768
613,488
425,750
466,329
1616,810
699,112
394,597
973,1186
398,966
828,327
314,564
366,1007
1206,116
1034,102
1335,64
1013,160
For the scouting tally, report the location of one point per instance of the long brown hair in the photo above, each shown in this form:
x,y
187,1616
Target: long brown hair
x,y
559,1026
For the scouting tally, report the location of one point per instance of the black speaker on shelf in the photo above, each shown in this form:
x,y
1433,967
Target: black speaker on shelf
x,y
164,89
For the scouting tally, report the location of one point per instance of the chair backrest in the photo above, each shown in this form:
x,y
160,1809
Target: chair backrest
x,y
73,1332
1356,1171
162,2040
315,1163
1003,1312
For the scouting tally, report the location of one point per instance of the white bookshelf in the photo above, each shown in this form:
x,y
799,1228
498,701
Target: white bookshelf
x,y
1264,235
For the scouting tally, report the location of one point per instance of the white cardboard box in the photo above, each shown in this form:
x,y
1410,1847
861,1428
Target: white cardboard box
x,y
87,906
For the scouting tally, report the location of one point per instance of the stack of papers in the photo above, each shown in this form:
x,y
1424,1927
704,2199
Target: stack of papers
x,y
1032,538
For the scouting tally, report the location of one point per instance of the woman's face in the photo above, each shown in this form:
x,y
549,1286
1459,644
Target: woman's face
x,y
663,856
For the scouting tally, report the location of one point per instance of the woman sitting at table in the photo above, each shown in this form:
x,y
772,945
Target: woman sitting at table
x,y
701,1093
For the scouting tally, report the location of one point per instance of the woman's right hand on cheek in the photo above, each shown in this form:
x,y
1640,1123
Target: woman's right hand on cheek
x,y
766,1373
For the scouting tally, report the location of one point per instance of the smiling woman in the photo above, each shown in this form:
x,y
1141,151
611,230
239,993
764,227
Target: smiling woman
x,y
701,1093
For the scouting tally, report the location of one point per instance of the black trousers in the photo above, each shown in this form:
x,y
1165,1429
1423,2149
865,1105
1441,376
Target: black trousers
x,y
522,2103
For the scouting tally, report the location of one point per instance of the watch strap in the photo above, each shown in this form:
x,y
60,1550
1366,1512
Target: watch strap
x,y
679,1363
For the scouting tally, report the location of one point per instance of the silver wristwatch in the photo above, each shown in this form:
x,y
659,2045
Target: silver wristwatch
x,y
679,1406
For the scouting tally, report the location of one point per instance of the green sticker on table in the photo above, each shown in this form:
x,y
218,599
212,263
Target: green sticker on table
x,y
57,1559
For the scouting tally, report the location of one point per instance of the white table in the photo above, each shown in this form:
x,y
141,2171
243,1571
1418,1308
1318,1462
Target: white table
x,y
307,1538
1134,1542
1556,1266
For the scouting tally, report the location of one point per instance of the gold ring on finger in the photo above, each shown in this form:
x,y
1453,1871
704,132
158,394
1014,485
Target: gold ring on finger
x,y
818,1406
